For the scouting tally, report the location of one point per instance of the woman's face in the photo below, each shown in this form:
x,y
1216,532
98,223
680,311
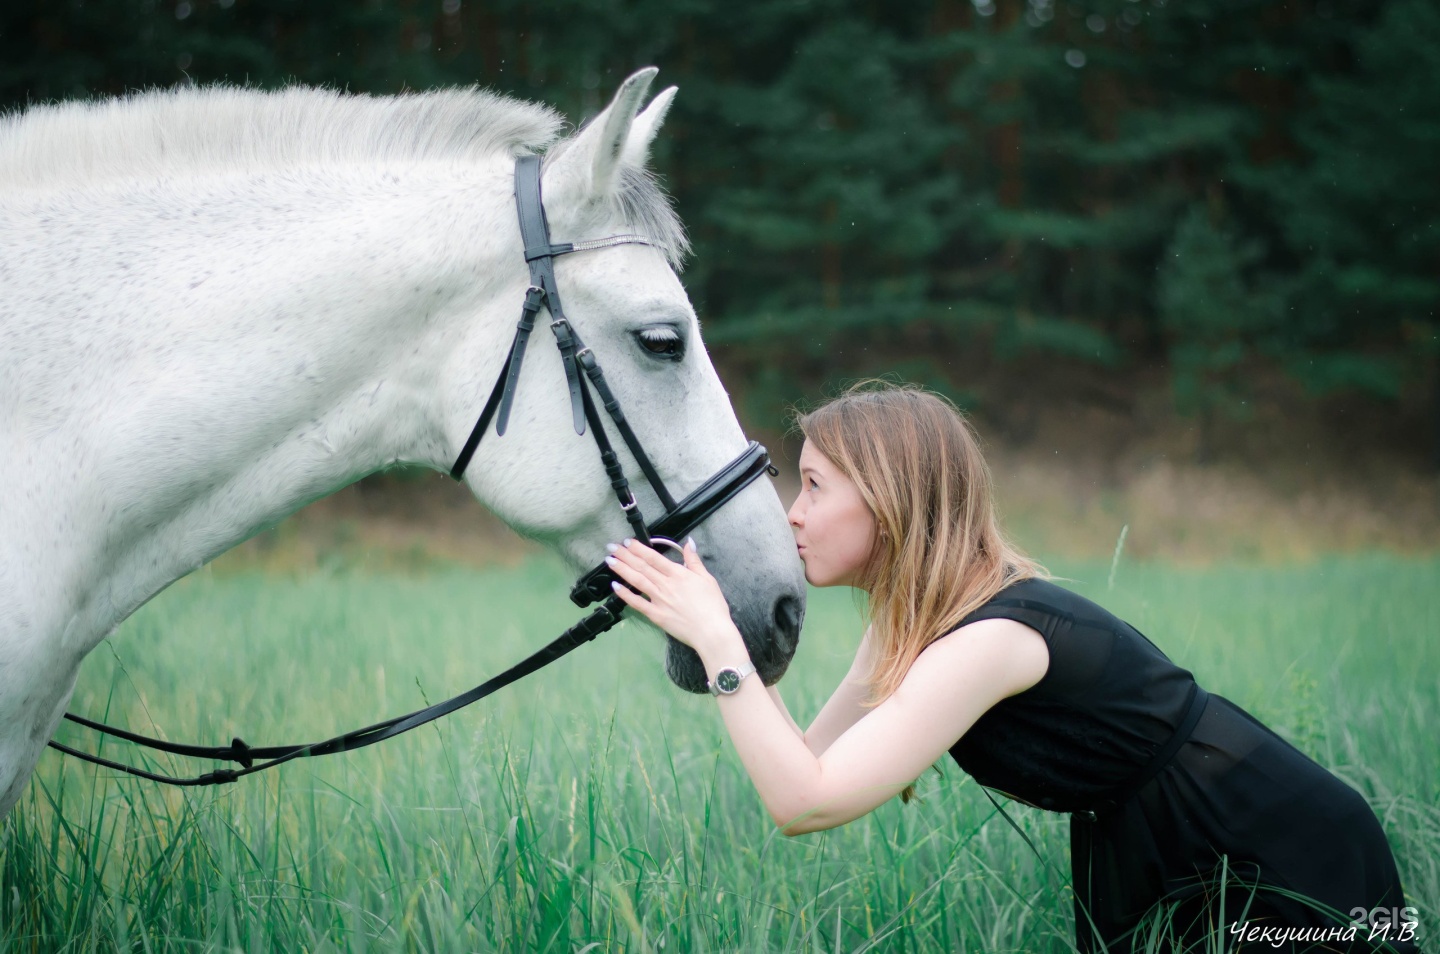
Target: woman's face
x,y
834,528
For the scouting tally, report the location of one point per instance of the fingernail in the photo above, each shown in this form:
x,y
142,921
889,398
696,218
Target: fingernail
x,y
690,543
629,541
615,585
611,547
612,561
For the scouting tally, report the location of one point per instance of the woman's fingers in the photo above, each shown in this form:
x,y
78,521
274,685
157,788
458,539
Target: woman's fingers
x,y
692,557
639,564
637,602
628,571
629,596
683,599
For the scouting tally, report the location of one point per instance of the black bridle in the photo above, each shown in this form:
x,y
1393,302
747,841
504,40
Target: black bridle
x,y
582,373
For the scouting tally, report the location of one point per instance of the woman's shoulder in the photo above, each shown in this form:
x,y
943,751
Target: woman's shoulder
x,y
1038,593
1043,605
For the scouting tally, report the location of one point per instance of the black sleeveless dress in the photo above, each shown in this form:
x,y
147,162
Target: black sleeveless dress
x,y
1176,795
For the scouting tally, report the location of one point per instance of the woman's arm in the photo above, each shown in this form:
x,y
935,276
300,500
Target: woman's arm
x,y
840,712
952,684
784,710
846,704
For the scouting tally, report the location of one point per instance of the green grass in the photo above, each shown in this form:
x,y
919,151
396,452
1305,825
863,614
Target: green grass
x,y
595,807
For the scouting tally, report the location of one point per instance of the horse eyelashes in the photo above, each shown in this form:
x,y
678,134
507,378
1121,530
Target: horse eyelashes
x,y
664,342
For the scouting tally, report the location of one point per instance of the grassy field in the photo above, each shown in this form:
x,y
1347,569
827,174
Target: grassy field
x,y
595,808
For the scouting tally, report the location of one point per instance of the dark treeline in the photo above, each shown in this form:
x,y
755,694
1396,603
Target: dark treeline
x,y
1218,187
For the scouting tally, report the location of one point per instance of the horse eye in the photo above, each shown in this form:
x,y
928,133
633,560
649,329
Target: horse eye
x,y
661,342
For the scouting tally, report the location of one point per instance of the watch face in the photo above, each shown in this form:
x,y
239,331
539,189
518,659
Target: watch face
x,y
727,680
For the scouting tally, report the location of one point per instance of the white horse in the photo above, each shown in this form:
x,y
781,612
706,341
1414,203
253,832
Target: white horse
x,y
217,305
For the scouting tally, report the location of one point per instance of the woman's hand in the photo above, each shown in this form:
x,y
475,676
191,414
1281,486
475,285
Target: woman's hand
x,y
683,600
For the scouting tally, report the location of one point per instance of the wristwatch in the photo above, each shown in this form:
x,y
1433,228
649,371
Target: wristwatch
x,y
728,679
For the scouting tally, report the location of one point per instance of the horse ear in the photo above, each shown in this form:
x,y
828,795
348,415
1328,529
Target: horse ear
x,y
592,161
647,124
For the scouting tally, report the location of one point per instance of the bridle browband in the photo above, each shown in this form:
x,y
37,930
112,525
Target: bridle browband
x,y
582,373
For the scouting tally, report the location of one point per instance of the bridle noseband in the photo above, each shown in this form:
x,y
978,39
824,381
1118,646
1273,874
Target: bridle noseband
x,y
582,373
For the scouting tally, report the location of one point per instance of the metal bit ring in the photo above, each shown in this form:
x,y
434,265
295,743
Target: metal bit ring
x,y
658,542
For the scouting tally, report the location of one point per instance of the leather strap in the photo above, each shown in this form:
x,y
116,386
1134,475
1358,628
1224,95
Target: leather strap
x,y
586,359
540,255
602,619
614,471
534,298
502,395
565,341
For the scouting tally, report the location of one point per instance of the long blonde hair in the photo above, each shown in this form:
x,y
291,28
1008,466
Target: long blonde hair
x,y
939,550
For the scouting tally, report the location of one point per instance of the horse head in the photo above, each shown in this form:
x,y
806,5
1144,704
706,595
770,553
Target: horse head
x,y
628,305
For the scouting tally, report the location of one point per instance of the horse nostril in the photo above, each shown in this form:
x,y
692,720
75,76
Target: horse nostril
x,y
789,614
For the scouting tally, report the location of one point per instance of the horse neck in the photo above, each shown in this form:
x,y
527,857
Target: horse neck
x,y
272,344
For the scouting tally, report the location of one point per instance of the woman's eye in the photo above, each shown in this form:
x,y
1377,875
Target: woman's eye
x,y
662,342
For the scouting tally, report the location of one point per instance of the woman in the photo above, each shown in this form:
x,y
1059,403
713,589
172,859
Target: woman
x,y
1033,690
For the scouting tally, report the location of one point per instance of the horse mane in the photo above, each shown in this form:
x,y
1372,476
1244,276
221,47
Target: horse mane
x,y
216,129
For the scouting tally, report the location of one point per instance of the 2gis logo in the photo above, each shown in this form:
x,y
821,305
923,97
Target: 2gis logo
x,y
1387,924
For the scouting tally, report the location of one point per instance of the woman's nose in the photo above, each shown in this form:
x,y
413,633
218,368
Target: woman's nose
x,y
796,516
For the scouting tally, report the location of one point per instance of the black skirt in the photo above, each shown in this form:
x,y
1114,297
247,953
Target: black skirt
x,y
1239,833
1189,816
